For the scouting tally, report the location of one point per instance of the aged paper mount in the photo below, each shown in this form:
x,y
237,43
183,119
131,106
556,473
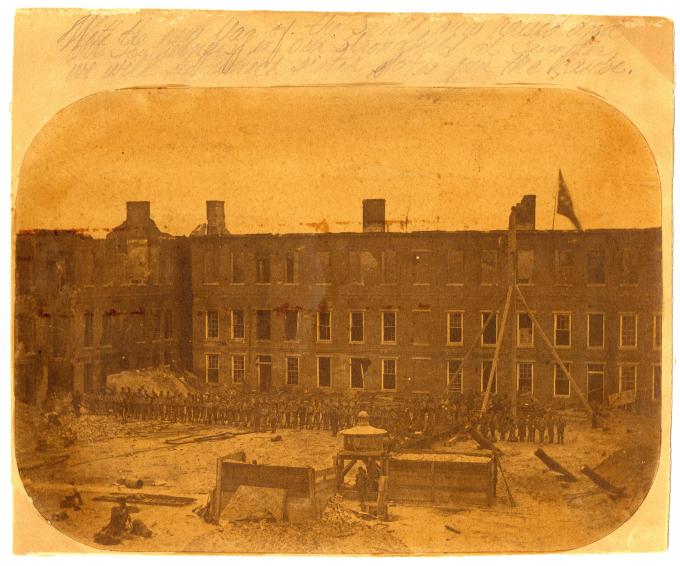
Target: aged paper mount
x,y
64,56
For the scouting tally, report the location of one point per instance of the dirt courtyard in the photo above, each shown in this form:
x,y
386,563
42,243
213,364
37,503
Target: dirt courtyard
x,y
550,514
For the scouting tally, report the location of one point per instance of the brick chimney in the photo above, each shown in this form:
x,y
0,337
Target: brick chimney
x,y
374,215
215,215
138,214
523,215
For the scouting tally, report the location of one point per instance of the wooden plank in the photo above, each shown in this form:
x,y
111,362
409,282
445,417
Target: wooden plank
x,y
554,353
499,342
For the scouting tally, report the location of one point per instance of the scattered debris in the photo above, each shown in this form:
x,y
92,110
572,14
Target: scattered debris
x,y
59,516
554,465
73,501
149,499
202,438
132,484
119,524
140,529
483,441
601,482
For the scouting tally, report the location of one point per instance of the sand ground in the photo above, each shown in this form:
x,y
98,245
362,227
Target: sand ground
x,y
550,514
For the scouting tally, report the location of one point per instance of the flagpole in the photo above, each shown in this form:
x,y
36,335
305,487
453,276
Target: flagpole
x,y
554,211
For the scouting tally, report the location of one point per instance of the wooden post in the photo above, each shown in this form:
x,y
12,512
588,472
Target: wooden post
x,y
312,491
473,344
512,281
383,484
217,499
553,351
499,341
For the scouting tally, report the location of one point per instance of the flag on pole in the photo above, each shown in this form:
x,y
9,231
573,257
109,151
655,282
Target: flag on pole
x,y
565,206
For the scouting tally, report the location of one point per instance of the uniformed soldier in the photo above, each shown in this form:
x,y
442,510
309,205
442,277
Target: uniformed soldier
x,y
561,425
521,427
540,426
531,426
550,426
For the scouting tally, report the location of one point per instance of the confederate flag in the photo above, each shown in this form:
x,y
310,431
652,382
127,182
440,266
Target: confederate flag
x,y
565,206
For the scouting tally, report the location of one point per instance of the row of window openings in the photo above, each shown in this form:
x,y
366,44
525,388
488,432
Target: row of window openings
x,y
562,323
111,325
362,264
358,368
454,375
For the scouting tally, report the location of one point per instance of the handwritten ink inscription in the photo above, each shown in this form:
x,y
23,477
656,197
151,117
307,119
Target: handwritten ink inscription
x,y
359,47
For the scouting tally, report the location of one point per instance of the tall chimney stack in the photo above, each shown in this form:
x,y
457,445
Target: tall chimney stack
x,y
523,214
138,214
215,215
374,215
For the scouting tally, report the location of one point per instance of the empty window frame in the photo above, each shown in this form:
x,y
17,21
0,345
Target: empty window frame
x,y
564,266
596,330
628,330
389,327
561,383
292,370
389,267
525,330
292,268
489,267
627,377
212,368
323,326
167,324
421,261
238,270
291,325
238,368
107,327
212,325
323,267
389,374
525,267
525,377
490,334
323,371
211,267
88,329
656,332
263,271
656,382
562,329
357,368
356,327
238,324
596,267
454,375
263,324
454,325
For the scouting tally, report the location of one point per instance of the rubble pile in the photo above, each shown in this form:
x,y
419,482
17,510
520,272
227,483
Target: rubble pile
x,y
154,380
340,520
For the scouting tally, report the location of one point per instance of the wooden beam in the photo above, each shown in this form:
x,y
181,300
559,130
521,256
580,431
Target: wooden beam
x,y
497,352
554,353
473,344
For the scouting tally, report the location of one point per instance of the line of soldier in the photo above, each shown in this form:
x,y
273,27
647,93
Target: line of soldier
x,y
401,417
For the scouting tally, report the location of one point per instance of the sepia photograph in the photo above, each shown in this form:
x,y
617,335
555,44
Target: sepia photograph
x,y
366,319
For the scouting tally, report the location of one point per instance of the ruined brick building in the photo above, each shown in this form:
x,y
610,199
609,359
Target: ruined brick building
x,y
375,310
